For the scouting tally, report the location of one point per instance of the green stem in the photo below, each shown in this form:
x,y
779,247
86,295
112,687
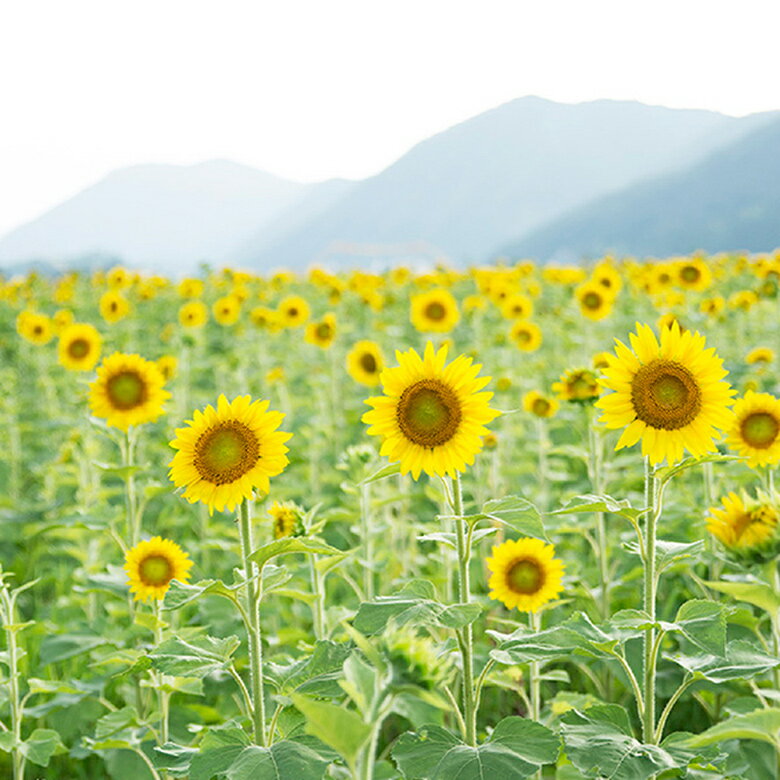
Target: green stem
x,y
368,541
318,605
253,626
131,501
467,634
541,455
650,583
162,694
13,686
534,684
659,732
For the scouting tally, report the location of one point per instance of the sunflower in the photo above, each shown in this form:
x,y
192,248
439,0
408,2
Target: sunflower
x,y
693,274
525,574
539,404
755,432
526,336
167,365
293,311
193,314
118,278
670,395
365,363
225,453
128,391
594,299
227,310
35,328
432,416
760,356
577,384
79,347
113,306
152,564
743,299
740,524
607,277
713,306
62,319
287,519
263,317
517,307
323,333
435,311
190,288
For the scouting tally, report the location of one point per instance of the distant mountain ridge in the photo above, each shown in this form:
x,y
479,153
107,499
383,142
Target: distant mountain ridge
x,y
478,187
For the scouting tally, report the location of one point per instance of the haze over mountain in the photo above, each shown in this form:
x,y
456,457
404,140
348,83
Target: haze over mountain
x,y
460,194
728,201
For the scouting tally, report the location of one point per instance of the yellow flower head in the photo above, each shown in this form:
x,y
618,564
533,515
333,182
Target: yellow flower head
x,y
167,365
595,300
79,347
539,404
323,333
526,336
224,454
435,311
713,306
287,519
517,307
693,274
670,394
365,363
760,356
128,391
113,306
263,317
35,328
607,276
577,384
190,288
293,311
152,565
227,310
432,416
62,319
193,314
275,375
741,524
525,574
755,432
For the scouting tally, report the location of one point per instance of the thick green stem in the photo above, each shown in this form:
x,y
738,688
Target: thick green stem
x,y
162,695
368,541
16,709
131,501
318,605
595,472
650,582
534,683
253,626
541,465
467,634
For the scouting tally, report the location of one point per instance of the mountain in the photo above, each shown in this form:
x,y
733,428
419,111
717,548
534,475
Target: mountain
x,y
162,217
728,201
474,187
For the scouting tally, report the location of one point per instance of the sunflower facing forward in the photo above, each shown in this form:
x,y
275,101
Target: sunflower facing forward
x,y
79,347
525,574
432,416
755,433
671,394
435,311
151,566
365,363
128,391
224,454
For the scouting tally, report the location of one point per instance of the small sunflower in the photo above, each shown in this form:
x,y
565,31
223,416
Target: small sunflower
x,y
79,347
323,333
712,307
432,416
365,363
526,336
525,574
287,519
38,329
693,274
193,314
540,405
741,523
755,432
435,311
62,319
517,307
263,317
577,384
224,454
760,356
128,391
167,365
607,276
113,306
595,300
293,311
227,310
152,565
671,394
190,288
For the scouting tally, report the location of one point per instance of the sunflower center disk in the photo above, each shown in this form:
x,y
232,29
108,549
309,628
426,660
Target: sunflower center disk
x,y
368,363
525,577
760,430
155,570
540,406
435,311
78,348
592,301
226,452
428,413
126,390
665,395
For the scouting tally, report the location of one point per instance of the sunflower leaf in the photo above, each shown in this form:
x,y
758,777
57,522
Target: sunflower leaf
x,y
518,513
668,472
193,657
291,544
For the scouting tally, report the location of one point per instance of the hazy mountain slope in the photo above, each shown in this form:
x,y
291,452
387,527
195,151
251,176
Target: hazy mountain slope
x,y
166,217
475,186
729,201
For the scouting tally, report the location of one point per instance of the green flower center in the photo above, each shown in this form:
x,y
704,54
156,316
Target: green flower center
x,y
591,300
225,452
428,413
525,576
126,390
760,429
435,311
155,570
78,348
665,395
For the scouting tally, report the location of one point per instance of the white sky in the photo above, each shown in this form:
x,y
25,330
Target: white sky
x,y
311,90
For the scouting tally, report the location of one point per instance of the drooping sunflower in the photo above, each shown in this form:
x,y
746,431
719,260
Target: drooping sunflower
x,y
741,523
594,299
113,306
755,432
193,314
323,333
435,311
760,356
540,405
525,574
128,391
224,454
517,307
577,384
712,307
671,394
79,347
167,365
35,328
227,310
293,311
151,566
287,519
432,416
365,363
526,336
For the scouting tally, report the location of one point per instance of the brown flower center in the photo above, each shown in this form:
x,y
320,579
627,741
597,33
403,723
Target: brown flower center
x,y
591,300
525,576
155,570
126,390
78,348
368,363
428,413
540,407
225,452
435,311
665,395
760,429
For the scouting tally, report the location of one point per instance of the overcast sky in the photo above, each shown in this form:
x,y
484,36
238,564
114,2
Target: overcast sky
x,y
311,90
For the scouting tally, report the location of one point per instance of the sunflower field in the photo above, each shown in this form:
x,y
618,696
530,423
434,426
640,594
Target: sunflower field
x,y
504,522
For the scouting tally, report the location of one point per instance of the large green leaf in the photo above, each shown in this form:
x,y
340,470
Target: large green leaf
x,y
703,623
41,745
181,593
59,647
219,748
373,616
285,760
193,657
598,503
518,513
668,472
756,593
316,673
517,748
742,661
763,724
292,544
